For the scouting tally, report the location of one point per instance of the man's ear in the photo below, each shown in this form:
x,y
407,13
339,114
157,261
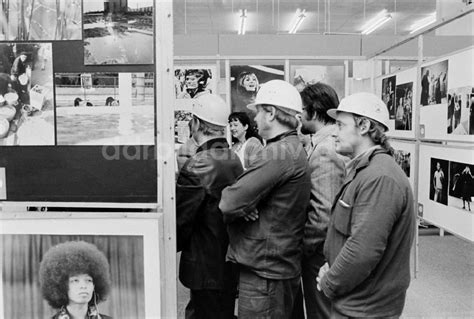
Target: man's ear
x,y
272,113
364,127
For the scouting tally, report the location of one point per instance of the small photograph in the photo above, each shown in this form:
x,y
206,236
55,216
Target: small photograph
x,y
461,185
439,180
404,103
332,75
26,94
105,108
246,81
403,159
459,107
434,83
45,20
118,32
57,273
471,112
388,95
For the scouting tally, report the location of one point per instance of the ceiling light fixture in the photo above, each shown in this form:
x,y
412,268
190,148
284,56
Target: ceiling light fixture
x,y
420,24
242,21
375,23
300,15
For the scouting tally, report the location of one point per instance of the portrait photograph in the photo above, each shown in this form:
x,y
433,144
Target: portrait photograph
x,y
404,107
459,111
439,180
333,75
31,20
461,185
26,94
434,83
118,32
105,108
403,159
388,94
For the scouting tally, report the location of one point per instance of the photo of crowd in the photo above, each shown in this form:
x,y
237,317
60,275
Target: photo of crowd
x,y
404,106
388,94
439,180
461,185
403,159
460,111
434,83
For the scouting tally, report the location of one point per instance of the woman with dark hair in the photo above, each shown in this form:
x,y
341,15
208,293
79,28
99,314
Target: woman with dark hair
x,y
246,142
74,278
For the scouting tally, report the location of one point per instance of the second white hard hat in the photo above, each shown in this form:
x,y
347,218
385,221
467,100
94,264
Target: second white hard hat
x,y
211,108
364,104
280,94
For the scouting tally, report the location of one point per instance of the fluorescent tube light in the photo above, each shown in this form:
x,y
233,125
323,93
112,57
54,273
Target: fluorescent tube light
x,y
300,15
420,24
375,23
242,22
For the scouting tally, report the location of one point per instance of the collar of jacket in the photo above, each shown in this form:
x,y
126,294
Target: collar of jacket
x,y
362,161
281,136
320,135
219,142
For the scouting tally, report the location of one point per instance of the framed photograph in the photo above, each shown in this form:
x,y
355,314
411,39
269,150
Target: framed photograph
x,y
105,108
333,75
461,185
388,94
26,94
404,107
131,252
42,20
405,156
439,180
434,83
118,32
459,116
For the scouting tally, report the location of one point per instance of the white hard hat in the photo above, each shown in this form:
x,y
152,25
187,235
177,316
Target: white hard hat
x,y
278,93
365,104
211,108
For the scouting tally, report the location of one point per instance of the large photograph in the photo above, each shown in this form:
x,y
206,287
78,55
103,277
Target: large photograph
x,y
434,83
388,94
55,273
105,108
118,32
404,107
26,94
459,111
333,75
31,20
461,185
439,180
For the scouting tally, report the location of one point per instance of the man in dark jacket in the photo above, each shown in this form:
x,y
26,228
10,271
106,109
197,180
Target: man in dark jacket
x,y
266,208
372,219
202,236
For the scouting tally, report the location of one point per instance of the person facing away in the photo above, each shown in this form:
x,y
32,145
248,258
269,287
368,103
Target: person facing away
x,y
74,278
266,208
201,233
327,174
372,224
246,142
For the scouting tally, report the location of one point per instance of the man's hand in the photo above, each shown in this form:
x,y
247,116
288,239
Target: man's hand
x,y
252,216
322,272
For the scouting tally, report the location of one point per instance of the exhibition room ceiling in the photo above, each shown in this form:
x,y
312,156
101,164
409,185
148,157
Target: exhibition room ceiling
x,y
198,17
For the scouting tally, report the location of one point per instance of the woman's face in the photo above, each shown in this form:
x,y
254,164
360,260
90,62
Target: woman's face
x,y
250,82
237,129
81,289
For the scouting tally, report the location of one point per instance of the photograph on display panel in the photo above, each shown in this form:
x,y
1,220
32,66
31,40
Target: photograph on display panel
x,y
46,269
105,108
404,106
439,180
434,83
461,185
403,158
333,75
459,115
26,94
388,95
30,20
118,32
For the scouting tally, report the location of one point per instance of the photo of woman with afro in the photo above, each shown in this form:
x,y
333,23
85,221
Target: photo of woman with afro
x,y
74,278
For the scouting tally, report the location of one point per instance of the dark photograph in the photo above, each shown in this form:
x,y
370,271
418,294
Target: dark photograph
x,y
388,94
403,159
404,103
31,20
459,110
461,185
73,276
434,83
118,32
439,180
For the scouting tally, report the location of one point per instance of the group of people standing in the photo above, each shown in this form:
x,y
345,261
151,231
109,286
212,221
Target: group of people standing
x,y
336,214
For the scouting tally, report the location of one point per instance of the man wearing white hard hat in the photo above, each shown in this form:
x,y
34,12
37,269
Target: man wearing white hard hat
x,y
266,208
372,220
201,233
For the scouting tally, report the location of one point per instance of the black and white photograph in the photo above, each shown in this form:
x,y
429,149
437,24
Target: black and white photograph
x,y
333,75
439,176
246,81
388,94
26,94
459,107
404,107
57,274
118,32
45,20
461,185
105,108
403,159
434,83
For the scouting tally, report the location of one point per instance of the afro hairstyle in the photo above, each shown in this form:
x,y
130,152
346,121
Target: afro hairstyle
x,y
69,259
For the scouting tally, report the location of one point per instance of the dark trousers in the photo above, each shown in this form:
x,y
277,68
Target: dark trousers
x,y
318,306
265,298
210,304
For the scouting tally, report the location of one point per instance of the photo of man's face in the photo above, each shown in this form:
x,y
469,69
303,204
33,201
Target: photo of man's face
x,y
192,81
